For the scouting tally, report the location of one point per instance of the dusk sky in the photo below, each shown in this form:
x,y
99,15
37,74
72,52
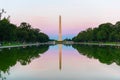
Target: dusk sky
x,y
77,15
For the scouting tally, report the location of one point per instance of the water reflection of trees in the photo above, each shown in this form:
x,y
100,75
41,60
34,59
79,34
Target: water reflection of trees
x,y
107,55
9,57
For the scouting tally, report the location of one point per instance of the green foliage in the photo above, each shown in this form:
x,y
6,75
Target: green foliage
x,y
105,32
9,57
104,54
7,31
67,39
42,37
23,33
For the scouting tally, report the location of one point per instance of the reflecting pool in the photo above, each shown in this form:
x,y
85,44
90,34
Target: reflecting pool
x,y
60,62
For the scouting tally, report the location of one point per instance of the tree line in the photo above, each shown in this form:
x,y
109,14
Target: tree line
x,y
9,32
106,32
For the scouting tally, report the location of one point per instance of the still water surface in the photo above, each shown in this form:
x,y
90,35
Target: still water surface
x,y
60,62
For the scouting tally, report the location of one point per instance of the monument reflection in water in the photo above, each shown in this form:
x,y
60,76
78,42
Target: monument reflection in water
x,y
60,62
60,56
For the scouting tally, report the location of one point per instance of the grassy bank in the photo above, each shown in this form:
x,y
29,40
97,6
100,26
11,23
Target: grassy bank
x,y
10,43
99,43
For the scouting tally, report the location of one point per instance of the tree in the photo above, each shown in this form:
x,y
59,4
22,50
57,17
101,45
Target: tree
x,y
104,32
23,33
7,31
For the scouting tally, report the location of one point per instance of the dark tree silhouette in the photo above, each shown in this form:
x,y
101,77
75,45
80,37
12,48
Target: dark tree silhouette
x,y
23,33
106,32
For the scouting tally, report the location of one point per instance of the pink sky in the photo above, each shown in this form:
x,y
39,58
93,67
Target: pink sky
x,y
77,15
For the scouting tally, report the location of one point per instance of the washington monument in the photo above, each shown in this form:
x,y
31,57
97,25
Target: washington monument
x,y
60,29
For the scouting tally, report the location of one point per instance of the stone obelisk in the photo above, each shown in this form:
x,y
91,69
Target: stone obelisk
x,y
60,29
